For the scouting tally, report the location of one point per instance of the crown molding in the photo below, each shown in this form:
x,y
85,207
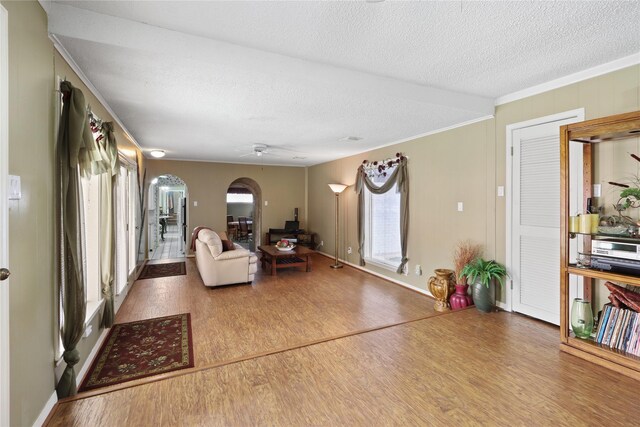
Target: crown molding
x,y
76,68
589,73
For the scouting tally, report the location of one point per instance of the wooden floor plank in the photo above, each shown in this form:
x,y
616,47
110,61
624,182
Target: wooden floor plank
x,y
463,368
418,373
285,311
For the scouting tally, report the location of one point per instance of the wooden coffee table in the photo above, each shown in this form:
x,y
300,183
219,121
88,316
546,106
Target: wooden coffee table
x,y
297,257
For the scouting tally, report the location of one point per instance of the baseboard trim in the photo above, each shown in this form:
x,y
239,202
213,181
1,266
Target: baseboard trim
x,y
381,276
90,357
44,414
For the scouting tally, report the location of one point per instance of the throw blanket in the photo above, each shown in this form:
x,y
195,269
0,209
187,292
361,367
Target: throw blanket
x,y
194,236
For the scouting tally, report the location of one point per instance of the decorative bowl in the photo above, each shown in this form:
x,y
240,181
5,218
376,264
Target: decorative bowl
x,y
285,248
617,230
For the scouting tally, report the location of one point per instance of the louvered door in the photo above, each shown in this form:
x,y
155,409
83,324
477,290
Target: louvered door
x,y
535,237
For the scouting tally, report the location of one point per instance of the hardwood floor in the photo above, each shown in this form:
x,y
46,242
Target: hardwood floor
x,y
290,309
462,368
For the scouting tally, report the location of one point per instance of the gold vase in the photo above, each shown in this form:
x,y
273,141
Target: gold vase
x,y
441,286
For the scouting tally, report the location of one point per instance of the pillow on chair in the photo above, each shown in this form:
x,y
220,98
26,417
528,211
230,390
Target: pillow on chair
x,y
227,245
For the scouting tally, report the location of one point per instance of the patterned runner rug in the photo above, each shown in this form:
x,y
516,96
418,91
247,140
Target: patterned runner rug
x,y
153,271
141,349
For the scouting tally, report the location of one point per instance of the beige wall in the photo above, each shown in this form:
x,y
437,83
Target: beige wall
x,y
207,184
613,93
439,177
31,219
33,65
467,164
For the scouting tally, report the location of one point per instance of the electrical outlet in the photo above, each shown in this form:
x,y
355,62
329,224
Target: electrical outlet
x,y
405,269
266,203
87,331
349,250
195,203
460,206
321,242
418,270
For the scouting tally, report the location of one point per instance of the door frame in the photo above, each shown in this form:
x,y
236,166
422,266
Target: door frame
x,y
577,115
4,217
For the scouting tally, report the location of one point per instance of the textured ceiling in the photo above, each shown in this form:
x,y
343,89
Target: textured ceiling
x,y
206,80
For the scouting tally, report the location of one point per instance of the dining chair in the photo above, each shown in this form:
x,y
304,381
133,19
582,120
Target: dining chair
x,y
232,229
243,231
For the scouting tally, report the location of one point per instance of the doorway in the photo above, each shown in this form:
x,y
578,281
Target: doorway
x,y
4,217
167,218
533,214
244,213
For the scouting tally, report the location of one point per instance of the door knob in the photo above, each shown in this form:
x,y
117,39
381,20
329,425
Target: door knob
x,y
4,274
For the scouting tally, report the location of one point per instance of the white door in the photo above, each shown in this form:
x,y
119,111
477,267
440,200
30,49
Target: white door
x,y
4,220
534,261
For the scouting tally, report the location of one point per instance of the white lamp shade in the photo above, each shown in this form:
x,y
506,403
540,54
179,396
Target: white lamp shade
x,y
337,188
157,153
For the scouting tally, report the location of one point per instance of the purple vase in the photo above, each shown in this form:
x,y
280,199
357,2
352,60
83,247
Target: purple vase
x,y
460,299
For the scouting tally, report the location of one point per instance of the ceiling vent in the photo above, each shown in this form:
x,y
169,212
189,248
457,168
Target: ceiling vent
x,y
350,139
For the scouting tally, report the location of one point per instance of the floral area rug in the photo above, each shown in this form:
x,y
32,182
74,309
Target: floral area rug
x,y
153,271
141,349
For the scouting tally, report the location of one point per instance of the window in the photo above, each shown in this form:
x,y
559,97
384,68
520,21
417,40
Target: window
x,y
91,223
127,218
239,198
91,188
382,227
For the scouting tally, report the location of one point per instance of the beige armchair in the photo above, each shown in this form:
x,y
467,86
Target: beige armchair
x,y
223,268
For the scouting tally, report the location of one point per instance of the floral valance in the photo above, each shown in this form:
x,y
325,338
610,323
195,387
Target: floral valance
x,y
382,168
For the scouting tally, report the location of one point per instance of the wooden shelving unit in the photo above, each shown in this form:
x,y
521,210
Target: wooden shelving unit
x,y
606,130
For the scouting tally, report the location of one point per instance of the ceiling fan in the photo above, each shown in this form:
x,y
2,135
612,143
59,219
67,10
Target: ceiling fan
x,y
260,150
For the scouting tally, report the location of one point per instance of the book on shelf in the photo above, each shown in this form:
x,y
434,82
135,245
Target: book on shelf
x,y
625,346
619,329
610,325
602,321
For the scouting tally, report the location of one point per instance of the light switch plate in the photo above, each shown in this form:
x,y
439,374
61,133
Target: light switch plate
x,y
460,206
597,190
266,203
500,191
195,203
15,189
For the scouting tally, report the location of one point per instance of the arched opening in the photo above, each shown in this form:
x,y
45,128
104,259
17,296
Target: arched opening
x,y
244,200
167,224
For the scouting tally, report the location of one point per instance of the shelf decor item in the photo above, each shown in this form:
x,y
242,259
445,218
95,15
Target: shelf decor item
x,y
581,318
464,253
440,286
483,275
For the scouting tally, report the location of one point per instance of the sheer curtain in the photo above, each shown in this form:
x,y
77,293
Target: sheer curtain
x,y
111,166
400,177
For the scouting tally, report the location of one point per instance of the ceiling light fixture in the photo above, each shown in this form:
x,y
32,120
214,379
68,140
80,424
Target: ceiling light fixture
x,y
157,153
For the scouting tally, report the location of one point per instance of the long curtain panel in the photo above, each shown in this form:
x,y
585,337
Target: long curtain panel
x,y
398,176
111,165
75,151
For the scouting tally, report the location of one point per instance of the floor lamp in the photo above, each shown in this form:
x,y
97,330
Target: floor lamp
x,y
337,189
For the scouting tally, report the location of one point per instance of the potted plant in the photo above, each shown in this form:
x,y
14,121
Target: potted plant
x,y
483,274
464,253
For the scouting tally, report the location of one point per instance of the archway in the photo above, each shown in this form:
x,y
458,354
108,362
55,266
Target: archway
x,y
249,186
168,202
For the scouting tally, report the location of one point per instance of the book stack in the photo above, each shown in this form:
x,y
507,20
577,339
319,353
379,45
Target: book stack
x,y
619,329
